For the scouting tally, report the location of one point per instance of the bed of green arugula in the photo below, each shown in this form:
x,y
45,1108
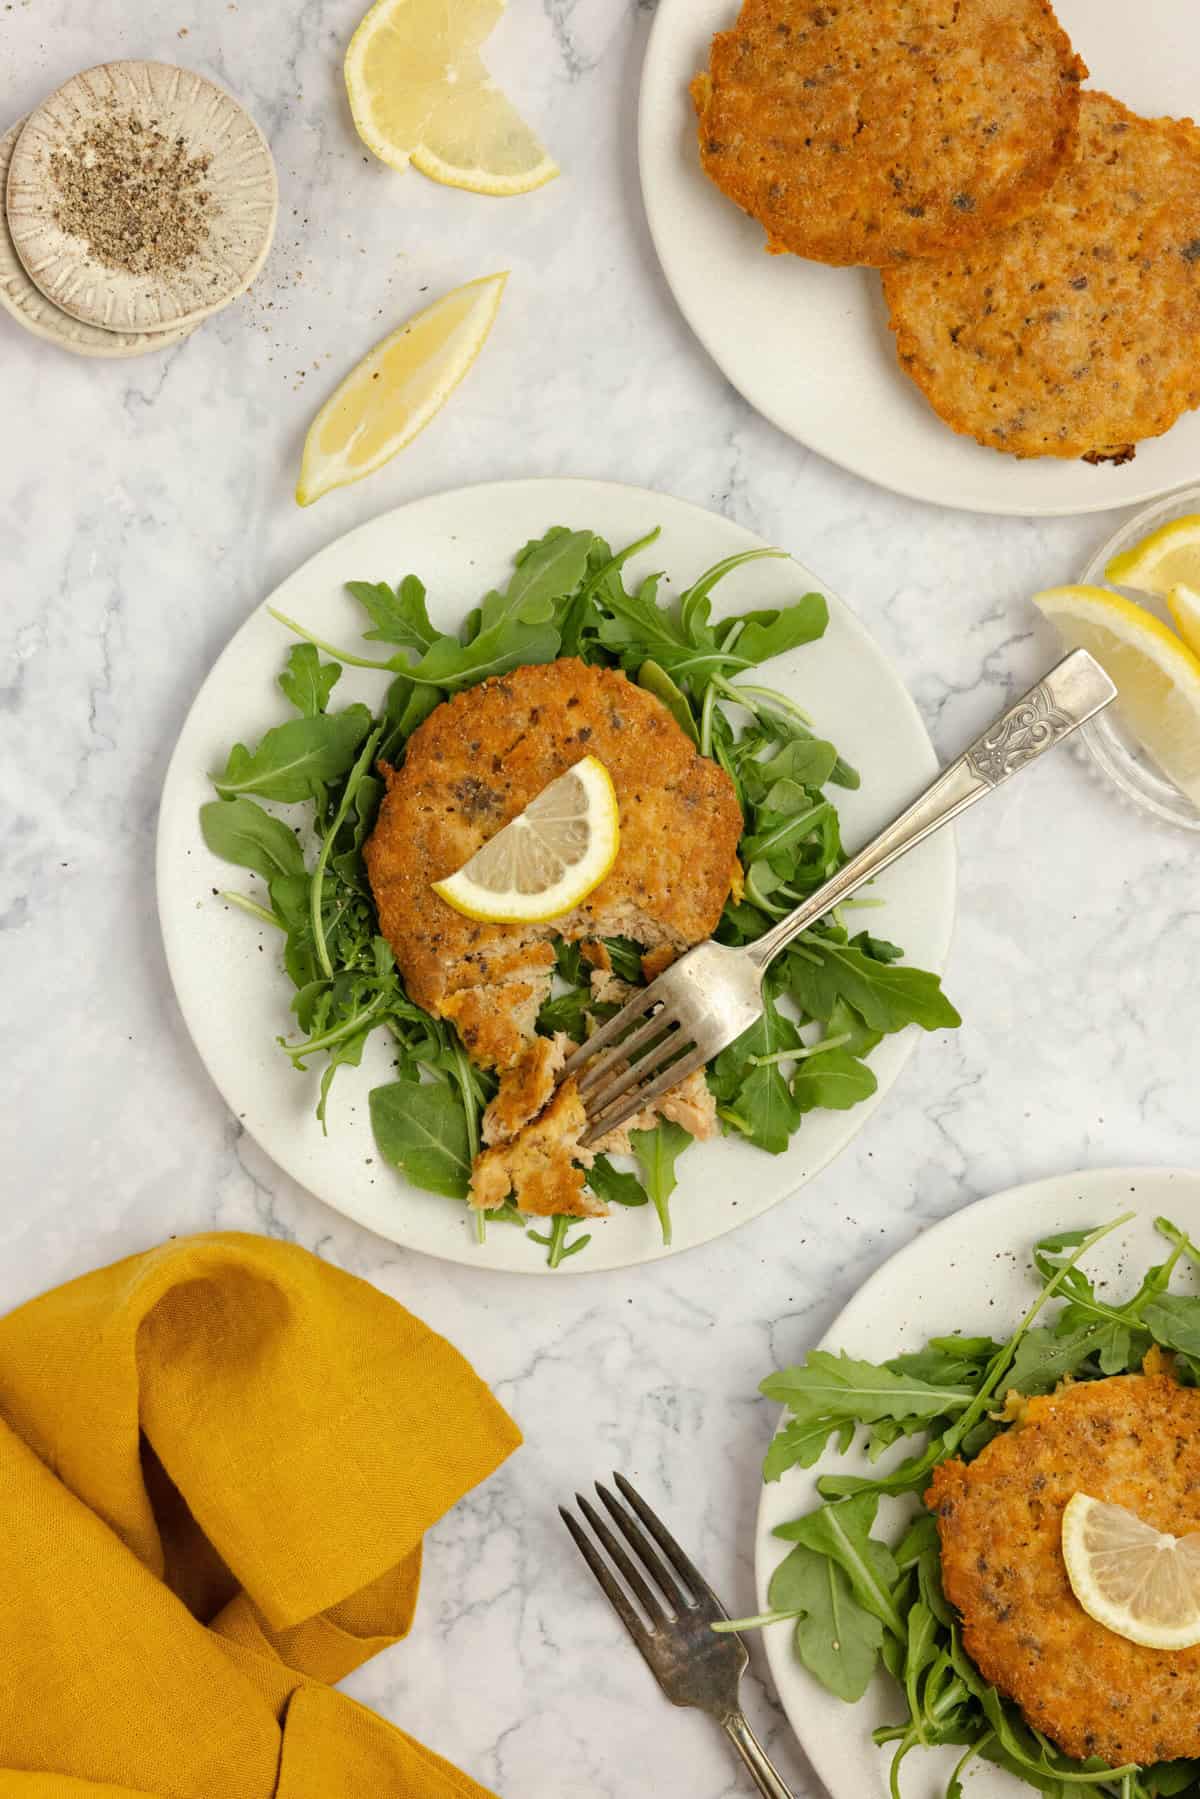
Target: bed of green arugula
x,y
856,1602
567,597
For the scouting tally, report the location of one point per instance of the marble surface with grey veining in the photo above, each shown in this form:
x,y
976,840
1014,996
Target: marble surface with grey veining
x,y
147,507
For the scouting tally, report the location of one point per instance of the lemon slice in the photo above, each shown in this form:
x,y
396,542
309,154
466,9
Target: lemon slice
x,y
1139,1582
1168,555
547,859
395,391
1183,603
1158,679
420,93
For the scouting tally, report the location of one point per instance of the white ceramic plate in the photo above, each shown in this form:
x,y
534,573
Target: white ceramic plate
x,y
970,1273
809,346
225,966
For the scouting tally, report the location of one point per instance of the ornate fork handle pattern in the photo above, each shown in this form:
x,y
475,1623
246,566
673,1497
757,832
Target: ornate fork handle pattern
x,y
1034,724
1073,691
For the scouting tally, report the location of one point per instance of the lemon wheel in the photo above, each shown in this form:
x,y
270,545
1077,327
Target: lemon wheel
x,y
546,860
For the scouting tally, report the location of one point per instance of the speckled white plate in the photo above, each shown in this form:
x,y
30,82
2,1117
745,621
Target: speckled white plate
x,y
226,967
41,317
809,346
240,180
971,1273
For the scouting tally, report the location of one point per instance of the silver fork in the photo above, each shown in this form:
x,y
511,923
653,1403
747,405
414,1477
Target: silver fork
x,y
704,1002
691,1663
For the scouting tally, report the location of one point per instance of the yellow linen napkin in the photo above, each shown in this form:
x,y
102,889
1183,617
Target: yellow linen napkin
x,y
217,1462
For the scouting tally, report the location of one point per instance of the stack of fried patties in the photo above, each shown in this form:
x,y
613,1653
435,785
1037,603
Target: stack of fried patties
x,y
1040,245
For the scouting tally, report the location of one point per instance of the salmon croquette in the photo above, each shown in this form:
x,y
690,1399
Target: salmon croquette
x,y
472,767
1134,1441
871,131
477,762
1075,332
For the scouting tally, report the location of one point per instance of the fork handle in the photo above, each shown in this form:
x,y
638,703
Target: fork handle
x,y
755,1757
1073,691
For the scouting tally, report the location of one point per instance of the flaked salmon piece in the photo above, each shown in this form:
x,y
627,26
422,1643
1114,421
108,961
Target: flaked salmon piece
x,y
526,1087
543,1166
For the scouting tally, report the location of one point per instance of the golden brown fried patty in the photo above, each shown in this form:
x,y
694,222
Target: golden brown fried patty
x,y
475,763
870,131
1134,1441
1076,332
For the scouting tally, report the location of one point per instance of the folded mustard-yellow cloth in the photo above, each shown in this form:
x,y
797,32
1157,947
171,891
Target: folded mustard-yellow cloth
x,y
217,1462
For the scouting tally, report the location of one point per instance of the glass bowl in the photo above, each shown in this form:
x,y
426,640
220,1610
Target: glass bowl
x,y
1110,747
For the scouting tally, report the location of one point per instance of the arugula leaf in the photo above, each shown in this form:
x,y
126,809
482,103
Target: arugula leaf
x,y
241,832
547,571
307,681
843,1388
1174,1322
506,645
843,1533
836,1638
1044,1357
801,1443
772,632
765,1110
885,997
420,1129
850,1030
658,1150
635,627
655,679
615,1187
809,761
292,760
750,1084
398,616
835,1079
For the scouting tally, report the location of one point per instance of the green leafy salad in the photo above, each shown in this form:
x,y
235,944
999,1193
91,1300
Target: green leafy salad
x,y
857,1602
567,597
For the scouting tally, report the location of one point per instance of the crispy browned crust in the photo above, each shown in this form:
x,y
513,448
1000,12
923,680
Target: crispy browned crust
x,y
539,1167
1076,332
475,763
1134,1441
871,131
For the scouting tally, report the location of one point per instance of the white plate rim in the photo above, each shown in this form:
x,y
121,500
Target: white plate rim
x,y
1134,490
800,1696
556,496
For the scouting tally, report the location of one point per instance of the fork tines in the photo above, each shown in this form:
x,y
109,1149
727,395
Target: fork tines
x,y
681,1585
611,1085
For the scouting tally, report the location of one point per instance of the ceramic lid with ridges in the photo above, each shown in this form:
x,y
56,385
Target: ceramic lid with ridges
x,y
29,306
240,180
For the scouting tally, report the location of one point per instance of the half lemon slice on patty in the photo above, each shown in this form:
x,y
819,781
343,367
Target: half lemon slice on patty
x,y
1141,1583
548,858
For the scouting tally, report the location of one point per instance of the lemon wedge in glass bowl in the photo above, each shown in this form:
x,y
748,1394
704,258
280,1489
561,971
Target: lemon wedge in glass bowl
x,y
1161,558
1141,1583
548,858
1157,676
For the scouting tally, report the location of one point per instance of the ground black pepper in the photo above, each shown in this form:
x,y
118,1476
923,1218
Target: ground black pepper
x,y
136,197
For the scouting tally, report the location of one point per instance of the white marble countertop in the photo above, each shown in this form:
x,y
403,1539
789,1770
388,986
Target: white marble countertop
x,y
147,507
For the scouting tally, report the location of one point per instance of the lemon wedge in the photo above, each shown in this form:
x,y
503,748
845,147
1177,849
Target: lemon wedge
x,y
395,391
420,93
547,859
1139,1582
1183,603
1157,677
1168,555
